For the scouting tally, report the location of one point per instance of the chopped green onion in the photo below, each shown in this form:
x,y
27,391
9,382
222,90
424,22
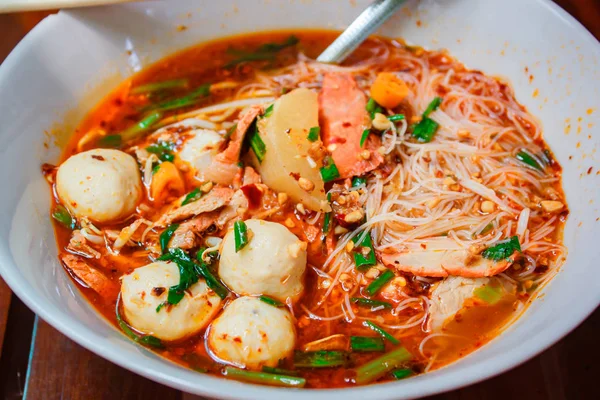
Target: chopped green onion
x,y
155,169
313,134
211,280
111,141
487,228
489,294
396,117
435,103
265,52
320,359
502,250
271,301
240,231
280,371
381,331
358,181
268,111
373,108
256,143
62,216
365,343
155,86
160,306
329,171
380,366
144,340
265,378
188,100
142,126
370,303
425,130
526,158
166,236
192,196
164,151
230,131
380,282
327,218
364,137
360,260
402,373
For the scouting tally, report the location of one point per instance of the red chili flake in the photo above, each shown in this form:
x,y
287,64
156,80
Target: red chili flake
x,y
337,140
253,194
589,171
47,169
295,175
237,339
96,157
346,124
157,291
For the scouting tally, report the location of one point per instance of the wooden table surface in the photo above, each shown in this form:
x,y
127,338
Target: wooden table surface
x,y
37,362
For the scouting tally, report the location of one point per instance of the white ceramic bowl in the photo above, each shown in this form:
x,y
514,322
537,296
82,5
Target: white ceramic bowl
x,y
79,55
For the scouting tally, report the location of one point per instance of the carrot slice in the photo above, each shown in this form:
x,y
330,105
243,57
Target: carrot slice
x,y
388,90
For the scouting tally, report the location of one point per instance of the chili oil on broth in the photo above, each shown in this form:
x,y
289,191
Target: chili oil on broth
x,y
470,100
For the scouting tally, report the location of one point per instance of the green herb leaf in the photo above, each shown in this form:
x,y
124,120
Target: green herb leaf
x,y
502,250
192,196
164,151
526,158
364,343
381,331
364,137
358,181
240,231
110,141
194,97
435,103
320,359
146,123
396,117
156,86
329,171
425,130
373,108
380,282
370,303
280,371
488,293
380,366
313,134
327,218
144,340
402,373
271,301
361,261
265,52
268,111
265,378
62,216
166,236
256,143
155,168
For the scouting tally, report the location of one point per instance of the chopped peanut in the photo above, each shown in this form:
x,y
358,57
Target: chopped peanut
x,y
551,206
300,208
289,223
448,181
282,198
340,230
372,273
365,155
306,184
528,284
463,133
207,187
349,246
487,206
380,122
354,216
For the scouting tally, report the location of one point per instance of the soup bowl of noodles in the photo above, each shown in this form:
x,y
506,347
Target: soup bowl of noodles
x,y
197,199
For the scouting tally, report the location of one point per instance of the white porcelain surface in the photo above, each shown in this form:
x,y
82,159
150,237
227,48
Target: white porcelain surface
x,y
75,53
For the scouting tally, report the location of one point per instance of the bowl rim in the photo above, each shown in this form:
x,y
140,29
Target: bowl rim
x,y
222,388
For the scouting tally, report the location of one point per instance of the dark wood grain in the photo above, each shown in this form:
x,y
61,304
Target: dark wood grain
x,y
5,296
61,369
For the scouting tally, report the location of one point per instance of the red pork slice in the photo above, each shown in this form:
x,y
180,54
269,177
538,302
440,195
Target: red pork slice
x,y
90,276
343,116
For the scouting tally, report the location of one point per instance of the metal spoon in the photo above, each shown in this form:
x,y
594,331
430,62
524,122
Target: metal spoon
x,y
366,23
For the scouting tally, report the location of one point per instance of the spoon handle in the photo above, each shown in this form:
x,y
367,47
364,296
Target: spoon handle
x,y
366,23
